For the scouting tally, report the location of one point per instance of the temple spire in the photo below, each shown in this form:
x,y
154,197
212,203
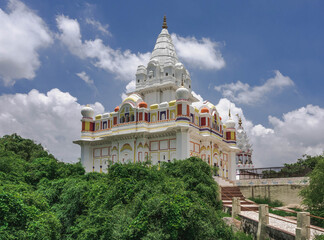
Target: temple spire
x,y
164,23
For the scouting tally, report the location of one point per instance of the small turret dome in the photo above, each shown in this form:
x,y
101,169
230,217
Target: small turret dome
x,y
182,93
117,109
163,104
179,65
142,105
141,70
87,112
230,123
204,110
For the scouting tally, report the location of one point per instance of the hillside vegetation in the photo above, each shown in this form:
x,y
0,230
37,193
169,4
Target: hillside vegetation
x,y
41,198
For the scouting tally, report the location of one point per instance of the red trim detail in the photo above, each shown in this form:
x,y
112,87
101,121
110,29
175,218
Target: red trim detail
x,y
179,109
203,121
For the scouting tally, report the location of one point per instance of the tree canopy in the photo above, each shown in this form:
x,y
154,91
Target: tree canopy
x,y
42,198
313,194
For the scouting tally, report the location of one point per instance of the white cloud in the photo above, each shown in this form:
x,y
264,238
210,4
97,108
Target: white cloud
x,y
245,94
52,119
122,64
99,26
303,126
130,87
299,132
204,53
83,75
22,34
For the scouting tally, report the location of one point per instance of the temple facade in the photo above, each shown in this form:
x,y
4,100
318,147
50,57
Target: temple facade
x,y
160,121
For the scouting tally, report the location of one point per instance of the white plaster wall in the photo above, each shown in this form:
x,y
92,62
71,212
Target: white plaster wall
x,y
86,158
152,98
183,144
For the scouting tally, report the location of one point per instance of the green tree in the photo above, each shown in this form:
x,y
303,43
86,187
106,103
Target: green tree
x,y
42,198
313,195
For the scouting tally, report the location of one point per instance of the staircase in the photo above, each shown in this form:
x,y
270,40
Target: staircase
x,y
229,190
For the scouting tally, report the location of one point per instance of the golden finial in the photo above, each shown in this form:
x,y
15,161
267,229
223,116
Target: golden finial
x,y
229,113
240,120
164,23
182,81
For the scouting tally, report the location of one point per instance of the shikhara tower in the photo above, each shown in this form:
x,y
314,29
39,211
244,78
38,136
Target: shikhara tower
x,y
161,120
244,157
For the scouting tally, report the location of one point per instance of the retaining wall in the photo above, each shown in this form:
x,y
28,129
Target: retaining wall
x,y
285,190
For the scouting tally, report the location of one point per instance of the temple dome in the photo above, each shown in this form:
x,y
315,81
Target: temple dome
x,y
87,112
182,93
230,123
204,110
142,105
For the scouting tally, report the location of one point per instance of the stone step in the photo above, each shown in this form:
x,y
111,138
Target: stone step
x,y
242,202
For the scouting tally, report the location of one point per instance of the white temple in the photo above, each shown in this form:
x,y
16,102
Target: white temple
x,y
160,121
244,157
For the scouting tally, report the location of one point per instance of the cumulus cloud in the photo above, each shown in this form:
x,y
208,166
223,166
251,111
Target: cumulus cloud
x,y
204,53
121,63
102,28
52,119
299,132
83,75
130,87
22,34
245,94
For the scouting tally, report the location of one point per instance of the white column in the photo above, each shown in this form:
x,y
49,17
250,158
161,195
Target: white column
x,y
232,166
86,157
183,144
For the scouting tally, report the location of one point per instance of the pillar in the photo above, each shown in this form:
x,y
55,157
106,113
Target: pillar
x,y
236,206
232,166
303,223
182,143
263,221
86,157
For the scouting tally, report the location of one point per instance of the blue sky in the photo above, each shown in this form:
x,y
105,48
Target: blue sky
x,y
264,59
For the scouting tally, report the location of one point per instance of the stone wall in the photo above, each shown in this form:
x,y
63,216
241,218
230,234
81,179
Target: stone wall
x,y
285,190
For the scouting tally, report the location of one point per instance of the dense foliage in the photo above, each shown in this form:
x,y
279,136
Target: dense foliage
x,y
314,193
302,167
41,198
